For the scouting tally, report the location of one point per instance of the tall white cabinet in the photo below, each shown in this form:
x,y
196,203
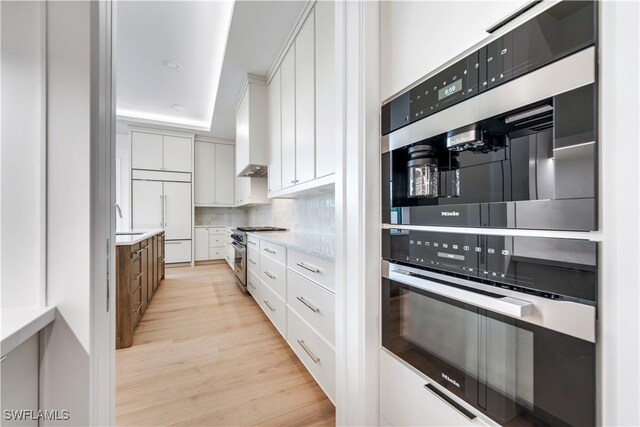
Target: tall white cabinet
x,y
301,107
214,173
161,188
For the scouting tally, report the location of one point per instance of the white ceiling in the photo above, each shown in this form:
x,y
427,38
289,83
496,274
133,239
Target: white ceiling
x,y
156,31
192,34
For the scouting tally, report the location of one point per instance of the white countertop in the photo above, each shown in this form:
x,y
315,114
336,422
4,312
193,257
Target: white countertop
x,y
322,246
21,323
135,236
215,226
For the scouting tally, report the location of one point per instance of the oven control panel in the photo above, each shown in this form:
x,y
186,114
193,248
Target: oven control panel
x,y
550,267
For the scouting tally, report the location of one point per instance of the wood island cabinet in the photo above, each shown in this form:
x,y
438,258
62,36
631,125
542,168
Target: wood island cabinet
x,y
139,271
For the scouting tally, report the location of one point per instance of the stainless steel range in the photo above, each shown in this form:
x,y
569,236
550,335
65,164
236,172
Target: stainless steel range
x,y
239,236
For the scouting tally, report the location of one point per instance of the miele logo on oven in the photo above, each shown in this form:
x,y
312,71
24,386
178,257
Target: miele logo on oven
x,y
449,213
451,380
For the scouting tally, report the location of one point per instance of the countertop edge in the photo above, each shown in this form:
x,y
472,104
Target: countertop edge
x,y
139,238
271,238
23,323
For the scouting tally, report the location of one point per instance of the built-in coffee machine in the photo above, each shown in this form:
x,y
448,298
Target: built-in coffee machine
x,y
501,319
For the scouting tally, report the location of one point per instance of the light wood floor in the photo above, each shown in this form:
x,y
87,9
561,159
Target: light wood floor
x,y
205,354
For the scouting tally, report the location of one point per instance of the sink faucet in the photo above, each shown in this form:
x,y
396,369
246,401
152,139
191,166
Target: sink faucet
x,y
118,211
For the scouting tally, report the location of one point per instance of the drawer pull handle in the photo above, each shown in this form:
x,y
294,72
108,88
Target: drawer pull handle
x,y
455,405
139,251
138,276
269,305
309,305
313,357
252,261
269,275
253,243
309,267
138,307
271,251
252,285
135,258
172,243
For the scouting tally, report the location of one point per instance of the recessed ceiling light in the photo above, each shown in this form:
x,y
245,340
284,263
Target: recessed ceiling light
x,y
177,107
172,64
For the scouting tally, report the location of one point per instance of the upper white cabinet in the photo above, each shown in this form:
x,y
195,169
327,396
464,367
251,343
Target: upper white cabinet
x,y
275,134
213,174
252,130
305,105
154,151
305,101
325,88
250,191
288,110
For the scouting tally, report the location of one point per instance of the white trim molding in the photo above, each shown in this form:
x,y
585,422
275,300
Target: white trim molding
x,y
357,213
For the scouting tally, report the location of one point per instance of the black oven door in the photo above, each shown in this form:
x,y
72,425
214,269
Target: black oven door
x,y
515,372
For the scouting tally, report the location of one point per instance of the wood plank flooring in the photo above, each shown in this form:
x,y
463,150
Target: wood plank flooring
x,y
205,354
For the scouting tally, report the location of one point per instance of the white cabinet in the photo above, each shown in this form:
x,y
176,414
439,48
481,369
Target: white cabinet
x,y
288,109
201,236
325,88
302,107
275,134
252,127
224,174
146,151
19,386
154,151
167,205
147,204
176,153
213,174
305,101
404,400
177,210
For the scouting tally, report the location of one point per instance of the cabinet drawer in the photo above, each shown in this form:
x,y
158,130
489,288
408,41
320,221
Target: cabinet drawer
x,y
136,299
217,240
314,304
318,356
273,251
217,230
274,275
136,266
253,242
316,269
253,260
253,285
404,400
177,251
217,253
275,307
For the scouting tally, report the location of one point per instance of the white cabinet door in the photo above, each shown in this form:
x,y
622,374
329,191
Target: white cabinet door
x,y
204,173
177,153
242,133
146,151
177,210
224,173
275,134
177,251
288,103
147,204
325,89
202,244
305,101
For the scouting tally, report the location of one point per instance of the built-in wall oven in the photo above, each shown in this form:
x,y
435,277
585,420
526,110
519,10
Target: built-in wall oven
x,y
505,136
506,324
502,139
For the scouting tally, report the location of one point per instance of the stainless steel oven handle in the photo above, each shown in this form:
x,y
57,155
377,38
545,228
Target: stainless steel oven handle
x,y
449,401
504,305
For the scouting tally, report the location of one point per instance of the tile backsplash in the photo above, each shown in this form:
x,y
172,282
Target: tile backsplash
x,y
312,213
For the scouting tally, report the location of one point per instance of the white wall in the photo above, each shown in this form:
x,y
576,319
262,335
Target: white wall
x,y
123,180
65,347
619,313
418,36
23,154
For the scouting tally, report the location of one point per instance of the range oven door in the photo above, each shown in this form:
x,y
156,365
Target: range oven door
x,y
240,265
487,354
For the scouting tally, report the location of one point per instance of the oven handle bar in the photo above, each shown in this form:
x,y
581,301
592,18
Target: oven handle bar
x,y
504,305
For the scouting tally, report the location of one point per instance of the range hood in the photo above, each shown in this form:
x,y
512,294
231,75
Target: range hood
x,y
254,171
252,130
